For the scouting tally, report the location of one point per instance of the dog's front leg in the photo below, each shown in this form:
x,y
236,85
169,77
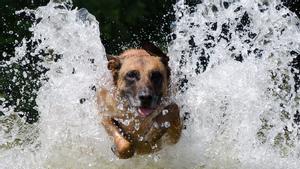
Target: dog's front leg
x,y
151,140
123,148
167,122
155,133
173,118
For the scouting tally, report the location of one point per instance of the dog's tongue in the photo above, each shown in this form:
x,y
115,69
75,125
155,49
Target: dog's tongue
x,y
144,112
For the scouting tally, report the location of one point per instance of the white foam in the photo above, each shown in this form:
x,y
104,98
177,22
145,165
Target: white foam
x,y
229,101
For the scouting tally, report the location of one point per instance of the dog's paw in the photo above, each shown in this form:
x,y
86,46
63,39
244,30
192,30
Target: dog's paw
x,y
123,148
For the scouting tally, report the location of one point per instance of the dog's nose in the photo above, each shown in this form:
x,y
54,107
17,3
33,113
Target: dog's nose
x,y
145,99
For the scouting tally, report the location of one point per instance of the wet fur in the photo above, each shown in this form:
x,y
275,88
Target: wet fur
x,y
140,135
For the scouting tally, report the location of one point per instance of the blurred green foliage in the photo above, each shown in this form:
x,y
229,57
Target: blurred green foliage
x,y
126,23
122,22
17,90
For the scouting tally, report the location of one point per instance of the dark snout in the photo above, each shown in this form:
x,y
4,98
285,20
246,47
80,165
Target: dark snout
x,y
147,98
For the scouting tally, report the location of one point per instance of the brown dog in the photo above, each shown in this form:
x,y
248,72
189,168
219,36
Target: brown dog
x,y
138,113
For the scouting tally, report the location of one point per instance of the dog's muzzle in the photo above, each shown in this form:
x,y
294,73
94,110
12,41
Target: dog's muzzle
x,y
148,102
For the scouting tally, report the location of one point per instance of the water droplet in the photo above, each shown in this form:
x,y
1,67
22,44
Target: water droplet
x,y
165,112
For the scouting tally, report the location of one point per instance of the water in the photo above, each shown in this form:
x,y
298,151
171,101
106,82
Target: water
x,y
237,87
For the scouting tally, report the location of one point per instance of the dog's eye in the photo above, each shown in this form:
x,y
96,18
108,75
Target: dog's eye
x,y
156,77
132,75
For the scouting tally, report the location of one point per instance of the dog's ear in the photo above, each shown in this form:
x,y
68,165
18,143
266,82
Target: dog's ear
x,y
155,51
114,64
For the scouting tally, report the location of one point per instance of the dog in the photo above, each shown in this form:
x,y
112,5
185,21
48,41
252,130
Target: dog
x,y
137,113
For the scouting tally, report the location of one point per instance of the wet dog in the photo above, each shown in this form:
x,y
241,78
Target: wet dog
x,y
138,113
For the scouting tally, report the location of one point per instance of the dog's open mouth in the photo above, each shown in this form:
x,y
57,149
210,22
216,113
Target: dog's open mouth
x,y
144,112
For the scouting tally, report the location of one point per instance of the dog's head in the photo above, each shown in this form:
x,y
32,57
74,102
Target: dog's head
x,y
141,76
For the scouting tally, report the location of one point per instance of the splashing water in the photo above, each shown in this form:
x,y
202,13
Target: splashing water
x,y
233,60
